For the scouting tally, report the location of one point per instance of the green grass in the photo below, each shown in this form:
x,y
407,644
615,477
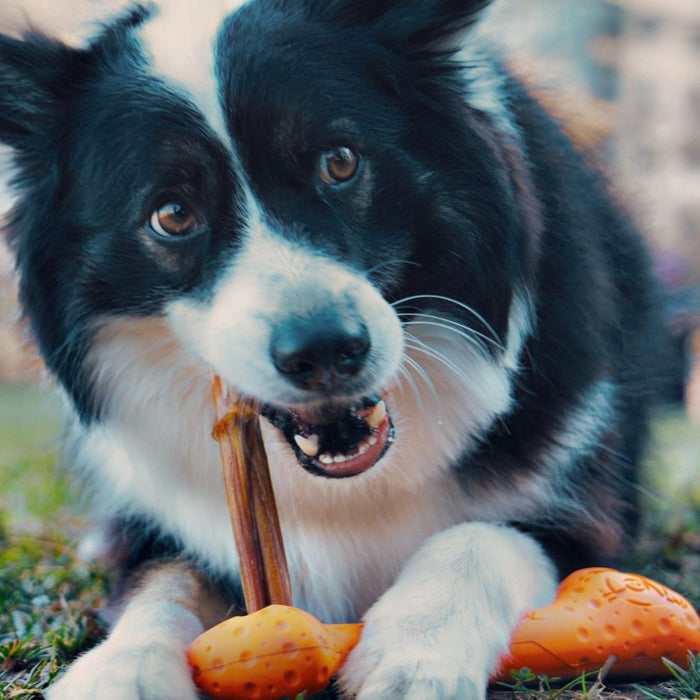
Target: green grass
x,y
47,604
685,683
48,597
527,684
32,491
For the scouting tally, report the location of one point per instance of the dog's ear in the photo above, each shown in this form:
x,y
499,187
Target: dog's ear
x,y
37,75
406,25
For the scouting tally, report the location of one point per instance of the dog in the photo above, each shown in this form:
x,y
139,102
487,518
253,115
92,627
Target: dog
x,y
356,216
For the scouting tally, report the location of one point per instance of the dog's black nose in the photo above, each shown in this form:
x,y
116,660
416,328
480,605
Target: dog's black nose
x,y
320,352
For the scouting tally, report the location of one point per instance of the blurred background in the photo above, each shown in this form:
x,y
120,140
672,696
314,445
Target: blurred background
x,y
624,76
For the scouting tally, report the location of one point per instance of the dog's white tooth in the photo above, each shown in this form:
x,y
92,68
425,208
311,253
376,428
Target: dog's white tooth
x,y
378,414
340,458
308,445
326,458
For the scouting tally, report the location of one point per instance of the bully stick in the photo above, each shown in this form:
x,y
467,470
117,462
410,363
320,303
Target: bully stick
x,y
251,501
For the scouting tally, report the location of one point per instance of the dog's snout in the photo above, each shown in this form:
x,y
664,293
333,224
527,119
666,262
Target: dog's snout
x,y
321,351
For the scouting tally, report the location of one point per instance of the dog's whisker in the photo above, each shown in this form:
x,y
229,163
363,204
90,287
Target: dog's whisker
x,y
449,324
460,304
404,377
411,366
431,352
419,370
469,337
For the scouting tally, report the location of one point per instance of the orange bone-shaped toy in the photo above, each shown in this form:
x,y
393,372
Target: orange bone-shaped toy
x,y
602,612
278,651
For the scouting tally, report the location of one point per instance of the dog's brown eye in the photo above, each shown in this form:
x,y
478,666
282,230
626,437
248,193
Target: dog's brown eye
x,y
338,165
173,219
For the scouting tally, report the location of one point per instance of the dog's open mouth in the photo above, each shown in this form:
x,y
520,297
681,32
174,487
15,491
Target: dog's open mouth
x,y
337,441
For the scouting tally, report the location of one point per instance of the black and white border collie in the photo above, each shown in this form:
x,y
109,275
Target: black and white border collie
x,y
353,214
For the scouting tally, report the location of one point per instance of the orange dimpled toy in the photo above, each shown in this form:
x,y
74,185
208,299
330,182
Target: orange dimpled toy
x,y
599,613
278,651
599,617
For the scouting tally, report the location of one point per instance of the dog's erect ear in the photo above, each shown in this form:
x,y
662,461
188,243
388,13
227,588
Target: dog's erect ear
x,y
405,24
36,76
40,75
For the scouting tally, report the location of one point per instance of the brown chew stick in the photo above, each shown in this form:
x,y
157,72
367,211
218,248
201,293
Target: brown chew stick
x,y
251,501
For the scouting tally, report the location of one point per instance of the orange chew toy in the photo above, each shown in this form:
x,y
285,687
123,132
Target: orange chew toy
x,y
276,652
603,612
280,651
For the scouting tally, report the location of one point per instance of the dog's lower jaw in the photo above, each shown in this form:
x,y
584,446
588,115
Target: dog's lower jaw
x,y
440,630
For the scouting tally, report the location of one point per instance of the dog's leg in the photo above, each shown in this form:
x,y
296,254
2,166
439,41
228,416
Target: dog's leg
x,y
144,656
439,631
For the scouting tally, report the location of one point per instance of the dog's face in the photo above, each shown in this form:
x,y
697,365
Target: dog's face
x,y
317,215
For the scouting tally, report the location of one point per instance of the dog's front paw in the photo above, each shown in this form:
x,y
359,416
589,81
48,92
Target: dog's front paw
x,y
376,673
408,654
438,632
112,671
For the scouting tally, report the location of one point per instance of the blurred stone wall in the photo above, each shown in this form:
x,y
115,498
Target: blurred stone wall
x,y
657,155
629,70
18,358
658,125
70,20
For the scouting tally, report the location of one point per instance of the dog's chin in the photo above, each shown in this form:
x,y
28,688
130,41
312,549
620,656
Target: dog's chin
x,y
336,440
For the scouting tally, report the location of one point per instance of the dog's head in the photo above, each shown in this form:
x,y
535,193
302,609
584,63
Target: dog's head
x,y
322,200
